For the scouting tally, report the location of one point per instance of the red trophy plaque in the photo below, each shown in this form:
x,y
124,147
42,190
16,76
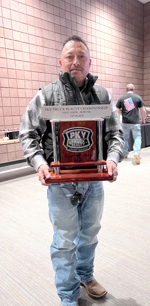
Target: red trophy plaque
x,y
78,147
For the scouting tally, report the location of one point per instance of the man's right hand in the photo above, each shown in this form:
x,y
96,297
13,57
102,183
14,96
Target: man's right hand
x,y
44,174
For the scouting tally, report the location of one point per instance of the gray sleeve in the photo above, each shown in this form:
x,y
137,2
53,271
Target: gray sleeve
x,y
113,136
32,128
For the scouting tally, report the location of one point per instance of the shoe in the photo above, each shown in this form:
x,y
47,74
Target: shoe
x,y
94,289
137,158
126,156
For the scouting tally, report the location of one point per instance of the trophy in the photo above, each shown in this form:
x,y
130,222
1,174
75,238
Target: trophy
x,y
78,145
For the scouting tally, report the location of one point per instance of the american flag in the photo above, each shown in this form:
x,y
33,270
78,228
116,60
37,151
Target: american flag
x,y
129,104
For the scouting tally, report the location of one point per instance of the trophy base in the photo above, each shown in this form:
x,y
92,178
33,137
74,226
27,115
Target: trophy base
x,y
78,175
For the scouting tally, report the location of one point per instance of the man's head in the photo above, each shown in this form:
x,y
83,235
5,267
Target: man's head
x,y
130,87
75,59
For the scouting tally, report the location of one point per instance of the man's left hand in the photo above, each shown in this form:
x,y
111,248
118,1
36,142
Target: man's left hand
x,y
112,169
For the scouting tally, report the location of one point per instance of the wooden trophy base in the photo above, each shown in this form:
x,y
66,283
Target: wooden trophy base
x,y
79,175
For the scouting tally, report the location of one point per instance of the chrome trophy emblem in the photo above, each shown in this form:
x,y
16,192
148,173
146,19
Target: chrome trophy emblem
x,y
77,139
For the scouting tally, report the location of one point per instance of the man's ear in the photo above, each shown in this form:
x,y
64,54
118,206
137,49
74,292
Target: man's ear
x,y
90,63
60,63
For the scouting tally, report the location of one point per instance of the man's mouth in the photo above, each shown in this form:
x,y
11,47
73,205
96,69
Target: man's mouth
x,y
75,69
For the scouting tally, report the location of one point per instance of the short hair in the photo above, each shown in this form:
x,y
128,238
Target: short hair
x,y
130,87
75,38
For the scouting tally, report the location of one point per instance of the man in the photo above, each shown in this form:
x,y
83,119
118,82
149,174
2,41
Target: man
x,y
129,105
75,227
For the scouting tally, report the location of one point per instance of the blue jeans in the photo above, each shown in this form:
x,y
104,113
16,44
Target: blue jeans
x,y
136,133
75,236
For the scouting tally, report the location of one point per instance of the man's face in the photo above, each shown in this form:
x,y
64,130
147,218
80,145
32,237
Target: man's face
x,y
75,59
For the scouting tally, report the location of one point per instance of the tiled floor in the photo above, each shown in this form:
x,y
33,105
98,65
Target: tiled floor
x,y
122,262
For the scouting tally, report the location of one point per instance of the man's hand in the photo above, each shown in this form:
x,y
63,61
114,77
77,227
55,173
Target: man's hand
x,y
43,172
142,122
112,169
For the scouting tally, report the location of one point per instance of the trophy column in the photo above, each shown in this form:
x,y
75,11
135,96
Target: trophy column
x,y
53,122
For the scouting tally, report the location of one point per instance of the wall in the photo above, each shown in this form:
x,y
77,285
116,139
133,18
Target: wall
x,y
31,33
146,94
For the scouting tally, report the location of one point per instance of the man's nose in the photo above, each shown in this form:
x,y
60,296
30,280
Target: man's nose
x,y
76,61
